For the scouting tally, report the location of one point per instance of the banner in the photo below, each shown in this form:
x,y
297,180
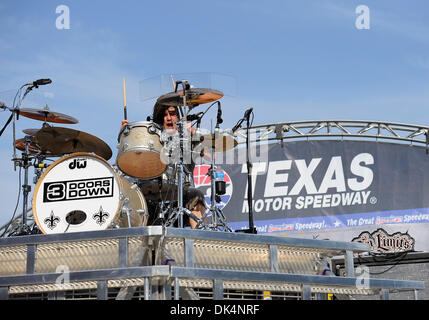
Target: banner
x,y
336,190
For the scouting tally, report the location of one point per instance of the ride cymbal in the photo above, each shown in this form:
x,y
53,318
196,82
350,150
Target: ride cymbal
x,y
47,115
194,97
58,140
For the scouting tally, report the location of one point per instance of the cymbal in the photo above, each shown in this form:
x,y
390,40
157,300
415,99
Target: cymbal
x,y
32,147
58,140
194,97
30,132
221,142
47,115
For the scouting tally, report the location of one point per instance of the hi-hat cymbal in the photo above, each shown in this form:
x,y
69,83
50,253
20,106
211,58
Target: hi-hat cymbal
x,y
194,97
58,140
47,115
32,147
221,142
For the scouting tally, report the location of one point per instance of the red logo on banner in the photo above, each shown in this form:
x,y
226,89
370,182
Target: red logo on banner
x,y
202,181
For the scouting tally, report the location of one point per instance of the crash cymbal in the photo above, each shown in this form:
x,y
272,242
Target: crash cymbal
x,y
47,115
221,142
58,140
194,97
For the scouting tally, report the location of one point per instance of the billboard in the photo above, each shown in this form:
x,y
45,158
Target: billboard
x,y
336,190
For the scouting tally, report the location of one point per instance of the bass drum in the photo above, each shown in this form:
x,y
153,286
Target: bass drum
x,y
82,192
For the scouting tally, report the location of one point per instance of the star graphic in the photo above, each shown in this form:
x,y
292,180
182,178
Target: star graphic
x,y
337,223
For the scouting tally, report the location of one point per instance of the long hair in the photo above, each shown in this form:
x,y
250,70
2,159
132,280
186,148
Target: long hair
x,y
159,112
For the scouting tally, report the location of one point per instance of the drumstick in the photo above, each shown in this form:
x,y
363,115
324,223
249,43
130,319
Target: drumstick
x,y
174,84
125,102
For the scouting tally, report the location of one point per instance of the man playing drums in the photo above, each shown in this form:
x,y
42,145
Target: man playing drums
x,y
193,199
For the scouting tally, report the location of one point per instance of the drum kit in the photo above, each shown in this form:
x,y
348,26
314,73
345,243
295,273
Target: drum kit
x,y
82,191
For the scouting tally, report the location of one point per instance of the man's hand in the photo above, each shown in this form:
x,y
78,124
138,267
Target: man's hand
x,y
124,123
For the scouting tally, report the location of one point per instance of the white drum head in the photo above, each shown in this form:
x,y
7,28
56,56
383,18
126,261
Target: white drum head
x,y
79,192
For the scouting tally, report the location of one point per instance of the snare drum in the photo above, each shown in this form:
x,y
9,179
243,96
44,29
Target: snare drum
x,y
82,192
140,149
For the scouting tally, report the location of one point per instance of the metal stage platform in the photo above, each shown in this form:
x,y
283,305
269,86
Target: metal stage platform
x,y
173,263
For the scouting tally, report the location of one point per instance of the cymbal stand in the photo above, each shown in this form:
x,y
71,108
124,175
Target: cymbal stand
x,y
25,162
39,166
181,210
217,216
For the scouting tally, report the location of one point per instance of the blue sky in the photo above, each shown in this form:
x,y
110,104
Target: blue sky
x,y
289,60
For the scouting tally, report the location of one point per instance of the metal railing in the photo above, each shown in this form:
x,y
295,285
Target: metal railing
x,y
361,129
170,262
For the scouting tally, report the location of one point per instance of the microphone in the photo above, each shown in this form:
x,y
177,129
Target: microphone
x,y
240,122
2,105
192,117
247,114
219,115
40,82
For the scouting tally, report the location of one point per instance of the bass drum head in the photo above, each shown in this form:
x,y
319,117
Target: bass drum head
x,y
82,192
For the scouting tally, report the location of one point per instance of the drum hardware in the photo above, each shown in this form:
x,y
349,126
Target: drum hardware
x,y
217,189
177,213
39,166
25,162
126,212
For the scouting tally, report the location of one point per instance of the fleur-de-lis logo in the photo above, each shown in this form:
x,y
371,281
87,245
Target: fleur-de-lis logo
x,y
101,216
52,221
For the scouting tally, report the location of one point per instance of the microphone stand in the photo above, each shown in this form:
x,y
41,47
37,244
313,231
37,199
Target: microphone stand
x,y
252,229
249,164
25,161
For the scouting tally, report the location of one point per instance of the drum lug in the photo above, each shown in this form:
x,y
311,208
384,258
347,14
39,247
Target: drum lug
x,y
126,130
151,144
124,198
151,129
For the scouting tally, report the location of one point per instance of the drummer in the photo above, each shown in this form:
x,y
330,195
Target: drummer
x,y
193,198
